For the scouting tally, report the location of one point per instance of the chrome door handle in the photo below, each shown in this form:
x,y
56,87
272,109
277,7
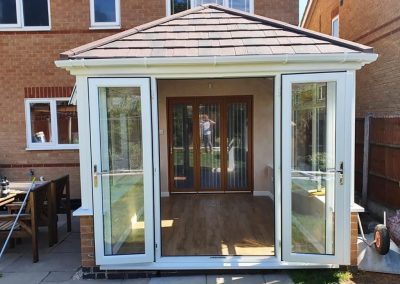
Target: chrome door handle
x,y
339,171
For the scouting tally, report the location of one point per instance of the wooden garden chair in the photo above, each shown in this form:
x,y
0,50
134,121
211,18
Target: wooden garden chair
x,y
61,203
28,222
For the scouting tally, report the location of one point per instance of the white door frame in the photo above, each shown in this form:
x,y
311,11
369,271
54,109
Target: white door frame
x,y
271,262
144,85
342,215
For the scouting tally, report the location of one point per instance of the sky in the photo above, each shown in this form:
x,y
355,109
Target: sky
x,y
302,6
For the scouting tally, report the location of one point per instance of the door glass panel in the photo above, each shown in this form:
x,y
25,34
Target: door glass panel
x,y
313,167
122,170
210,155
182,146
237,146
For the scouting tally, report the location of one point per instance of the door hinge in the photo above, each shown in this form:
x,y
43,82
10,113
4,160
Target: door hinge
x,y
155,245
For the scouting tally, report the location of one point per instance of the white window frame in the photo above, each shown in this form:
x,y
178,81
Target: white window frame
x,y
53,145
20,25
106,25
225,4
336,18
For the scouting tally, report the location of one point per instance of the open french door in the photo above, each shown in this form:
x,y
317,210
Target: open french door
x,y
120,118
313,194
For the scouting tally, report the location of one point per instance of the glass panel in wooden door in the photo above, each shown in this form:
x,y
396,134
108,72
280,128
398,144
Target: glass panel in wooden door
x,y
122,170
181,147
237,146
210,146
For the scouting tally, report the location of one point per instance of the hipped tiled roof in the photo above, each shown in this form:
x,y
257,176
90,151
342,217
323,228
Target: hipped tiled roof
x,y
213,30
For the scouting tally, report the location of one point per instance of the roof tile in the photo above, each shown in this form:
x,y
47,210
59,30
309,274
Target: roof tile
x,y
212,30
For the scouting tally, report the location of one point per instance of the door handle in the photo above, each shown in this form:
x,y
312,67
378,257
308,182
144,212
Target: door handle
x,y
95,174
340,172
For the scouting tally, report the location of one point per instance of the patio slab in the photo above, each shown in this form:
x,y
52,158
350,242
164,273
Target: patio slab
x,y
279,277
23,277
59,276
60,263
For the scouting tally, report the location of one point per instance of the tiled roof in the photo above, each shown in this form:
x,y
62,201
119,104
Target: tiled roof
x,y
212,30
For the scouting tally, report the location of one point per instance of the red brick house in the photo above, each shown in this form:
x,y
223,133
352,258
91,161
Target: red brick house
x,y
31,39
374,23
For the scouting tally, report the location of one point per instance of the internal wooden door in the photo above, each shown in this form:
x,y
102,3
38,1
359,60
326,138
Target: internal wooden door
x,y
210,144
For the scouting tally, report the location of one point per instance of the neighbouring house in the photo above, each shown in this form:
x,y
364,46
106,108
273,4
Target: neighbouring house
x,y
376,24
39,127
216,139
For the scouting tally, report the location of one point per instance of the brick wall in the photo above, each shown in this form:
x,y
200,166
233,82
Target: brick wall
x,y
87,241
354,236
283,10
377,25
321,14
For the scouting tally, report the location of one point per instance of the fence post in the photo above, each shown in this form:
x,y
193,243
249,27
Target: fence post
x,y
365,173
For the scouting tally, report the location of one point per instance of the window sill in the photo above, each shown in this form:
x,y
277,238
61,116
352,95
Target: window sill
x,y
25,29
83,212
52,147
118,27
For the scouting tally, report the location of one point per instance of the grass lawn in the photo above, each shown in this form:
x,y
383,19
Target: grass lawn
x,y
320,276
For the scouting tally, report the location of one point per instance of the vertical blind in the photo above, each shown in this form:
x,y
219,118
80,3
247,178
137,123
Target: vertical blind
x,y
210,150
237,146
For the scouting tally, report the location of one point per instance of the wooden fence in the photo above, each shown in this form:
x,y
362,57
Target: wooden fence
x,y
381,158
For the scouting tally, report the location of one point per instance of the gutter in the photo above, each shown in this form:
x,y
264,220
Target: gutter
x,y
363,58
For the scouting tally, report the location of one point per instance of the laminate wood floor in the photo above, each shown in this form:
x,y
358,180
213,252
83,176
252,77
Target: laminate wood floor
x,y
217,224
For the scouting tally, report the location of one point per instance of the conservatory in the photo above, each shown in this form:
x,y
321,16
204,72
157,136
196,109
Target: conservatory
x,y
216,139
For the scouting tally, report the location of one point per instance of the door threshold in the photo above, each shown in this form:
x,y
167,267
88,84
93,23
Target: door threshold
x,y
211,192
212,265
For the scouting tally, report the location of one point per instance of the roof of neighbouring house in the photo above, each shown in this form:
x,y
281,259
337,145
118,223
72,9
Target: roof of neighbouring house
x,y
213,30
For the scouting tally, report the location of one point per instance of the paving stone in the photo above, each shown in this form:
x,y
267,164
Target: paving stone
x,y
8,259
59,276
137,281
201,279
277,278
235,279
47,263
22,278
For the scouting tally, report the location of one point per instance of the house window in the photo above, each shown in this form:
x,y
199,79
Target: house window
x,y
105,13
177,6
335,26
51,124
25,14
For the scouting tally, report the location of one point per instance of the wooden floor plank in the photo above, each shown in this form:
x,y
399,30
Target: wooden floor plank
x,y
217,224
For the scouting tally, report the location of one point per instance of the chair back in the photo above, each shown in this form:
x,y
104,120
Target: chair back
x,y
61,190
38,199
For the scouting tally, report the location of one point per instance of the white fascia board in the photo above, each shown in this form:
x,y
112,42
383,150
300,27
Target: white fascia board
x,y
359,59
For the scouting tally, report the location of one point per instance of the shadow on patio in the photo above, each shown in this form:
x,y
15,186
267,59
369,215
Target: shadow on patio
x,y
56,264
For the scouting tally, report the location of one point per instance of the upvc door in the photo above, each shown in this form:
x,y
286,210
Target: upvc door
x,y
120,118
313,192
